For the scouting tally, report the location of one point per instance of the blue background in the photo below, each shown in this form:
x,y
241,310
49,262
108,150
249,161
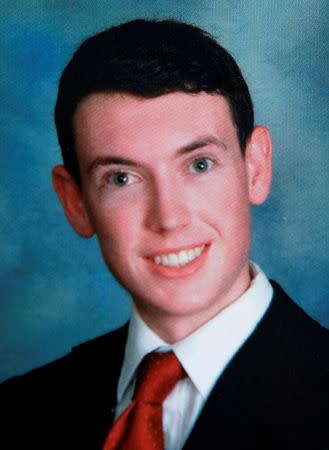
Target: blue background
x,y
55,289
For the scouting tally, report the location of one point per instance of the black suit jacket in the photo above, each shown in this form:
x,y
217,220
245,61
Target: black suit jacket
x,y
274,394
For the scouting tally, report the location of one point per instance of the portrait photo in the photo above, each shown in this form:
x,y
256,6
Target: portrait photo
x,y
164,175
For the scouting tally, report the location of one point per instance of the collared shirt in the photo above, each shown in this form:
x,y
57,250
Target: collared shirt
x,y
204,354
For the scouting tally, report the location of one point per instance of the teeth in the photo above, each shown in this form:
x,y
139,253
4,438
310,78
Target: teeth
x,y
173,259
179,259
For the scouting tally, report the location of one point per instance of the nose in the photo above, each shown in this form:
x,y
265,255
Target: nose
x,y
169,208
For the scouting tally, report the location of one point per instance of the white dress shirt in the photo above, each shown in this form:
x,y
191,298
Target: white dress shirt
x,y
204,354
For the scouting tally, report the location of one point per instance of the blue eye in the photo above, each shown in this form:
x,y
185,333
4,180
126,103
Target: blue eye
x,y
119,178
201,165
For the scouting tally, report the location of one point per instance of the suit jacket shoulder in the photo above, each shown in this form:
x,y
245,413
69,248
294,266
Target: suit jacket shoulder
x,y
67,403
274,393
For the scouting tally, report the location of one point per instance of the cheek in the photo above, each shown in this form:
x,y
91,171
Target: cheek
x,y
116,225
226,202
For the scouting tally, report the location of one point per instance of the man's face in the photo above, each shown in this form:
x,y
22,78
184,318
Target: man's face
x,y
167,191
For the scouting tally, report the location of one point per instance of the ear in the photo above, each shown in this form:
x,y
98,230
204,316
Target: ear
x,y
258,158
71,199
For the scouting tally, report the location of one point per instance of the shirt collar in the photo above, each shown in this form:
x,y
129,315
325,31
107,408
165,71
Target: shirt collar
x,y
141,341
205,353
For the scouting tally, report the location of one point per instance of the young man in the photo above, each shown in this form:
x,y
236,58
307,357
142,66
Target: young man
x,y
162,161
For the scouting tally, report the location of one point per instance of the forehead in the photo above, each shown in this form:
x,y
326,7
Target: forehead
x,y
123,123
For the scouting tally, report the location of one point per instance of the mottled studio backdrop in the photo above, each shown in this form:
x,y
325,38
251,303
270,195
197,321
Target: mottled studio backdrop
x,y
55,291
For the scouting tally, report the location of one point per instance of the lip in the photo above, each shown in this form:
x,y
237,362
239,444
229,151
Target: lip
x,y
182,271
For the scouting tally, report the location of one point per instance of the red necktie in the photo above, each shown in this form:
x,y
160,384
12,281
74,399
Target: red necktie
x,y
139,427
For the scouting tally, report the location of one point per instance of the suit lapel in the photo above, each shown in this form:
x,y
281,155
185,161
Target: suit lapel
x,y
97,366
239,401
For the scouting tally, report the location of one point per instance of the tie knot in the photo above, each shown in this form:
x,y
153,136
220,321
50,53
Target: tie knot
x,y
157,375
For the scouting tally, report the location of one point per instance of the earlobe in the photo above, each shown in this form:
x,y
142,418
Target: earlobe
x,y
71,199
259,164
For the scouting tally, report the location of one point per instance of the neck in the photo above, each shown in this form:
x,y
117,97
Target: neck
x,y
172,328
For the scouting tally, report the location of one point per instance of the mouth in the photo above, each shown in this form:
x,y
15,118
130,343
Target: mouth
x,y
179,263
179,259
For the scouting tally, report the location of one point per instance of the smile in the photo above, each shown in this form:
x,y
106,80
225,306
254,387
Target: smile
x,y
179,259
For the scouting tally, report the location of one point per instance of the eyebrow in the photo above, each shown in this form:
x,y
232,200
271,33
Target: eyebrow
x,y
109,160
195,145
199,143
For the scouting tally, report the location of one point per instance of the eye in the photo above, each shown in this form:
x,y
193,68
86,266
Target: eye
x,y
201,165
121,179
